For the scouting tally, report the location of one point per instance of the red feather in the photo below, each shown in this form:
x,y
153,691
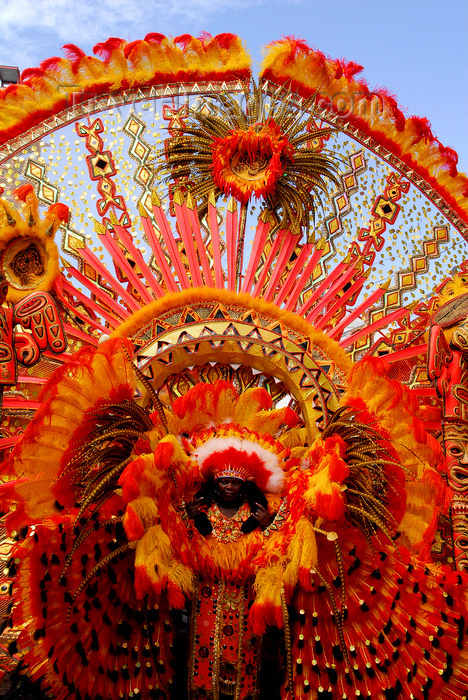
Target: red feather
x,y
184,40
105,48
61,211
73,53
205,38
21,193
225,41
32,73
422,127
295,44
154,38
395,111
350,69
131,46
451,158
54,63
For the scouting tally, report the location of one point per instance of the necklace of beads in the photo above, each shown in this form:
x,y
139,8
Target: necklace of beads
x,y
227,529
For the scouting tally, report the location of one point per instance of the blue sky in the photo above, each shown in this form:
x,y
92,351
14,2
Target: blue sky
x,y
418,49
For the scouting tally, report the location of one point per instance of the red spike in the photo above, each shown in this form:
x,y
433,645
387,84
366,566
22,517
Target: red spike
x,y
386,320
75,311
171,245
328,296
280,236
158,254
195,225
330,279
293,273
340,302
303,279
214,228
88,256
76,333
287,248
232,223
405,354
125,237
110,318
185,233
97,292
261,235
120,259
366,304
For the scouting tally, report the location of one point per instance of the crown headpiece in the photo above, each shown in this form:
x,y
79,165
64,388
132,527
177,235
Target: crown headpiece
x,y
235,452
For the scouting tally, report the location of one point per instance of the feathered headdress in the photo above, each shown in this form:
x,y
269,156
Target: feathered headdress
x,y
236,453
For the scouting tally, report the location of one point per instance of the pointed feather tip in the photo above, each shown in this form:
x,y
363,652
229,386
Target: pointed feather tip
x,y
99,228
266,216
232,205
155,199
113,219
347,259
179,197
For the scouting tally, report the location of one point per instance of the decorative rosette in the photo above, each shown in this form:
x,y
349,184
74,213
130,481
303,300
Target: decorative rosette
x,y
249,162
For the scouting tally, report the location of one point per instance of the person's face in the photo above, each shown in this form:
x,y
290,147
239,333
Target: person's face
x,y
229,488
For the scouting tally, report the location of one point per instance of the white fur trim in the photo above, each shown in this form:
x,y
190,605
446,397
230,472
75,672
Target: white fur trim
x,y
269,459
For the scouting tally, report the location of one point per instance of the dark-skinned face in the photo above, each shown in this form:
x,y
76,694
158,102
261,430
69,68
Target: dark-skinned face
x,y
229,488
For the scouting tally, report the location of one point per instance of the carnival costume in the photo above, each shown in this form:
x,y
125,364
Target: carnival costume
x,y
193,363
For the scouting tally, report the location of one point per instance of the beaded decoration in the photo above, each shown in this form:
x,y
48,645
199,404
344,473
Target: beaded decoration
x,y
227,529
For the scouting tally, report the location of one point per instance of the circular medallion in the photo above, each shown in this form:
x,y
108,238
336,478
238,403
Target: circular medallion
x,y
24,263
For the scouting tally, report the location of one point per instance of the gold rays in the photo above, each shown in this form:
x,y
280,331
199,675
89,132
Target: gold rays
x,y
253,146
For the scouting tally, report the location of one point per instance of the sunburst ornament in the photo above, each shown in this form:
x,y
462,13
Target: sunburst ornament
x,y
265,149
250,162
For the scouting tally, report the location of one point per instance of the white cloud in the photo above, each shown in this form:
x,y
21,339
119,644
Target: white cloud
x,y
31,29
